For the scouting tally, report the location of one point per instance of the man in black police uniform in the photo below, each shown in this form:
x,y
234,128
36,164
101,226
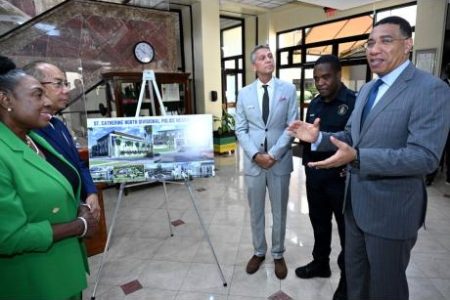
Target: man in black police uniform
x,y
325,187
446,154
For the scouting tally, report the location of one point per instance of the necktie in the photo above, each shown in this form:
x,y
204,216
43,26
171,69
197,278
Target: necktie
x,y
265,104
265,110
369,104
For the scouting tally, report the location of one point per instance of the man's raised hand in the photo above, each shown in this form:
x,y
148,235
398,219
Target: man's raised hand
x,y
304,131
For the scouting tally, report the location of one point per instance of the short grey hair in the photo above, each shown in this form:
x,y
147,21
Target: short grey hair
x,y
253,53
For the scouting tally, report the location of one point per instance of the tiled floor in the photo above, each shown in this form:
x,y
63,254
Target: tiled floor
x,y
182,267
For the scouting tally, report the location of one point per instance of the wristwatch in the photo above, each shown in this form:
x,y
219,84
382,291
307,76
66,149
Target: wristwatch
x,y
355,162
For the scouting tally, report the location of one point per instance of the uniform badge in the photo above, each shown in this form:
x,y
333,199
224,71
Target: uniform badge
x,y
342,109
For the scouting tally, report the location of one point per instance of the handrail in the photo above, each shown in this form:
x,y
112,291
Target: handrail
x,y
34,19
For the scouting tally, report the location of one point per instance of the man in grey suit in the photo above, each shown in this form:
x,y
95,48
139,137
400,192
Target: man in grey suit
x,y
264,110
390,146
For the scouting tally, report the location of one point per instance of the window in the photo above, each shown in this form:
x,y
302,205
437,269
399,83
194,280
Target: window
x,y
232,41
408,13
339,29
299,48
289,39
232,56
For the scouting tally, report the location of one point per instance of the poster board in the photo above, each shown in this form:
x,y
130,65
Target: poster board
x,y
170,92
150,148
426,60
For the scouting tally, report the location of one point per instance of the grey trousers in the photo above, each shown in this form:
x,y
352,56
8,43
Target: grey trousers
x,y
278,188
375,266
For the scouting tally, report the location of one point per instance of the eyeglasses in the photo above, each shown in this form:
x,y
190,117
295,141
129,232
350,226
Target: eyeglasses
x,y
384,41
58,84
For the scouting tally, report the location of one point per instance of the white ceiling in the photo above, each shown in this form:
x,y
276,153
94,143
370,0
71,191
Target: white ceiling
x,y
253,6
337,4
340,4
261,3
257,4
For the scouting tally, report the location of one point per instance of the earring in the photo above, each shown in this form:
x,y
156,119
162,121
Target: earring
x,y
9,109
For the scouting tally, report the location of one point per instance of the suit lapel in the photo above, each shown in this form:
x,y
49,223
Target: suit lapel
x,y
277,92
22,149
55,135
254,101
388,98
49,134
357,112
44,166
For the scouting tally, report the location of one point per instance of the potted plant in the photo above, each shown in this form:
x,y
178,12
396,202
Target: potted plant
x,y
224,138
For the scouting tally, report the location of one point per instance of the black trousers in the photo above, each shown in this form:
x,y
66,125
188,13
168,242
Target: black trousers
x,y
325,192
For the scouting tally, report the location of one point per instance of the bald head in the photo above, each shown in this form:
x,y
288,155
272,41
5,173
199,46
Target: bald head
x,y
41,70
54,82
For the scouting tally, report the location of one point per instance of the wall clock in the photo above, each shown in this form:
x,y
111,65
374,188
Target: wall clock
x,y
144,52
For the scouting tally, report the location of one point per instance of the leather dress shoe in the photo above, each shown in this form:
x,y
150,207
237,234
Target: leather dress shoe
x,y
313,269
341,291
280,268
254,263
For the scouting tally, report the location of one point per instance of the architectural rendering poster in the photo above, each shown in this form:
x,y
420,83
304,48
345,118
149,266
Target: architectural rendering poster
x,y
150,148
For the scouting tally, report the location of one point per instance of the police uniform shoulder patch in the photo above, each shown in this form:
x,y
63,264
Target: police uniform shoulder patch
x,y
342,109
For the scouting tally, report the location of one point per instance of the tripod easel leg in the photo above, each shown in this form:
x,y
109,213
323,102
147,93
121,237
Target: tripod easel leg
x,y
166,206
108,240
189,188
113,221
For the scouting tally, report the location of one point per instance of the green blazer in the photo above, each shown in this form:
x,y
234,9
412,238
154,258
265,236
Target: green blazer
x,y
34,195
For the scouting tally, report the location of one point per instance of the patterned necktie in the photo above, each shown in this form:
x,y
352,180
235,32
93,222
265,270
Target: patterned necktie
x,y
371,100
265,104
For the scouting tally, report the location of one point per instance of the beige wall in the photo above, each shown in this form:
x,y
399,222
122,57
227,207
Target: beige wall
x,y
206,28
430,28
294,16
250,42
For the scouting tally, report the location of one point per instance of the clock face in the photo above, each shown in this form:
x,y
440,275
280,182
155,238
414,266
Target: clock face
x,y
144,52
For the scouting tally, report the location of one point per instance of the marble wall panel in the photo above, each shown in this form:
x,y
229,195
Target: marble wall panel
x,y
96,36
27,6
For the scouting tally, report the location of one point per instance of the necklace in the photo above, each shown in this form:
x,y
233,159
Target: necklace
x,y
33,146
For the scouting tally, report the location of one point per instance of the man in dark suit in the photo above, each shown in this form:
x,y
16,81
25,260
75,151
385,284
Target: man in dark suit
x,y
393,139
325,188
445,160
446,155
56,88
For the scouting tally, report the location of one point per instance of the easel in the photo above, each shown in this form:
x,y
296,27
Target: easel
x,y
149,75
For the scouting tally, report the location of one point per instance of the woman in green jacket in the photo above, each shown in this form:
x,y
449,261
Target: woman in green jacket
x,y
41,222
